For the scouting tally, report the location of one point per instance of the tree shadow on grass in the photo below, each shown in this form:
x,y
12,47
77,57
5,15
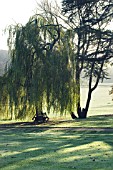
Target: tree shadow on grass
x,y
96,118
48,149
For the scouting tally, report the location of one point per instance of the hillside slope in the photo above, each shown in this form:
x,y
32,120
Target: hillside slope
x,y
3,60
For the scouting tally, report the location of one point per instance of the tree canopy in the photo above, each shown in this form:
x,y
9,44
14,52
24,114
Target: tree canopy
x,y
94,42
41,73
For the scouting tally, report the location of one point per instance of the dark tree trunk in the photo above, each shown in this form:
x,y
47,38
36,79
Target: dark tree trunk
x,y
37,111
88,101
77,84
82,113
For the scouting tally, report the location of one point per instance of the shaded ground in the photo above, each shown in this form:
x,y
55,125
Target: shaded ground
x,y
94,123
58,144
31,147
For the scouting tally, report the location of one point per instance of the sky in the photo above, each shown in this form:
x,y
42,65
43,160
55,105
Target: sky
x,y
12,12
16,11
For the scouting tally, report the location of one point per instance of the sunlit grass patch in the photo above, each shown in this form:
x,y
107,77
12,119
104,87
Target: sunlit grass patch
x,y
48,149
92,121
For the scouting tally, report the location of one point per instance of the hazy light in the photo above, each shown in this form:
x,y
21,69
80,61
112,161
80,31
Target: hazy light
x,y
12,12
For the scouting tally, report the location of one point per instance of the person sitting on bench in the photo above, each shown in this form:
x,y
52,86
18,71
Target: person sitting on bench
x,y
40,117
45,117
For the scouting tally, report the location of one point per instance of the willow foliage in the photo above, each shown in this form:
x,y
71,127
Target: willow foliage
x,y
42,69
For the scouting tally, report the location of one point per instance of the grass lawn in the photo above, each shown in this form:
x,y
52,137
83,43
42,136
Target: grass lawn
x,y
30,147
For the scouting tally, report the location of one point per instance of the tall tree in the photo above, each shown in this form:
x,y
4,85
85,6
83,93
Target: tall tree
x,y
93,41
41,73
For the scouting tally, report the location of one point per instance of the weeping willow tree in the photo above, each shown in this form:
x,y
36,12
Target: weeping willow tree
x,y
42,69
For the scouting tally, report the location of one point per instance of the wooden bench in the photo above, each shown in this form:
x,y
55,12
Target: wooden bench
x,y
40,118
